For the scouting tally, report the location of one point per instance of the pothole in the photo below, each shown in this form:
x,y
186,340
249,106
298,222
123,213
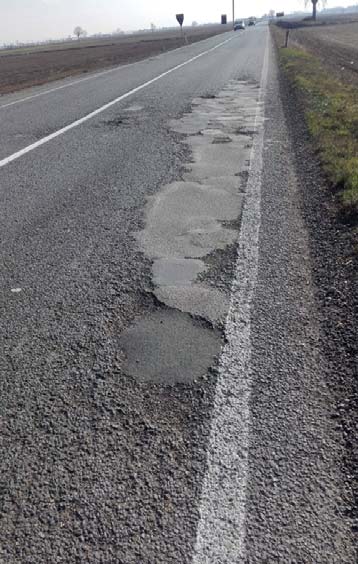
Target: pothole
x,y
123,121
243,131
220,268
221,139
116,122
200,216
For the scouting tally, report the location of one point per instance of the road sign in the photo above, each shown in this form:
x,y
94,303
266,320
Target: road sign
x,y
180,19
224,19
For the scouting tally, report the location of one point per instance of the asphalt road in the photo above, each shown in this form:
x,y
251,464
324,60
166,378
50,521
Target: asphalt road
x,y
162,397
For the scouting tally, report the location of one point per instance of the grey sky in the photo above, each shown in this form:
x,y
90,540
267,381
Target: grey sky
x,y
27,20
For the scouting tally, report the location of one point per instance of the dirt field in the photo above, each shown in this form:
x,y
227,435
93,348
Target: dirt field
x,y
22,68
335,42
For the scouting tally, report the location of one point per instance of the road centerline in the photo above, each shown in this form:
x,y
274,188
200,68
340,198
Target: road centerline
x,y
87,117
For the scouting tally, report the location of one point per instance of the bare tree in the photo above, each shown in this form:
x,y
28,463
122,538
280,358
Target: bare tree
x,y
314,6
194,24
78,32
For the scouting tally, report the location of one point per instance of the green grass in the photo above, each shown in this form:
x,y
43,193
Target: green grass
x,y
331,110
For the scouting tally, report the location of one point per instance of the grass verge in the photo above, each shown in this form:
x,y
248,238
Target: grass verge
x,y
331,112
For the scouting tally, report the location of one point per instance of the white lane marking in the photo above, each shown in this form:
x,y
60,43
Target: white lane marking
x,y
221,528
80,80
87,117
72,83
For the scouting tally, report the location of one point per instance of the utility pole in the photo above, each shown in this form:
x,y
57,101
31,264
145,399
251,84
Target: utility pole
x,y
233,13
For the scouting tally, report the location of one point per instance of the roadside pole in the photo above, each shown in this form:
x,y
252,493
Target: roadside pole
x,y
233,13
287,34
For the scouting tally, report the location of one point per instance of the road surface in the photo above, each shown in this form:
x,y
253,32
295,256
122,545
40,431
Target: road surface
x,y
163,396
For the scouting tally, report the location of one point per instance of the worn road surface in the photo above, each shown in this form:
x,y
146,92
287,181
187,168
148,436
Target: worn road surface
x,y
162,392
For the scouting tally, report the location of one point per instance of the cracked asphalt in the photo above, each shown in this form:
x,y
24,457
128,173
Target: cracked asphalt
x,y
103,458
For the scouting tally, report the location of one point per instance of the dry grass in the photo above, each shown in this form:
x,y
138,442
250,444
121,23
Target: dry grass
x,y
334,42
331,111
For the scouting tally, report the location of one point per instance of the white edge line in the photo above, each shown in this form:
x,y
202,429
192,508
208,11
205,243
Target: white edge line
x,y
221,528
96,75
89,116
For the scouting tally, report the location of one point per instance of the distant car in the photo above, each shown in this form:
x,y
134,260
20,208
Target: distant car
x,y
239,25
251,22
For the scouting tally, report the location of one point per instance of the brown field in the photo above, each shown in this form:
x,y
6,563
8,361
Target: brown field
x,y
24,67
333,40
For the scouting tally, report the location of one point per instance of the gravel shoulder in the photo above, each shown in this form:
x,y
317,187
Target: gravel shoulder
x,y
332,245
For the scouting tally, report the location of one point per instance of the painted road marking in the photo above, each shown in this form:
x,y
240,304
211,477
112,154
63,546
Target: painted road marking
x,y
221,528
89,116
68,84
80,80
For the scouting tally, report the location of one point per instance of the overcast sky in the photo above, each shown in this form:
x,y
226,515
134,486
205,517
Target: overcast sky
x,y
27,20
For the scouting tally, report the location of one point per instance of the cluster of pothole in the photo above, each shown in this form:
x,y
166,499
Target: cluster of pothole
x,y
186,222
